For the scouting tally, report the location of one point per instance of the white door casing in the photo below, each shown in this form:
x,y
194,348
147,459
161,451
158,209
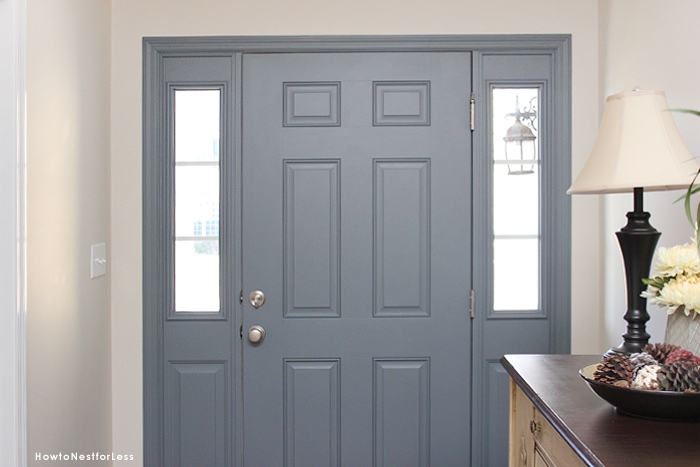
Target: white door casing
x,y
13,438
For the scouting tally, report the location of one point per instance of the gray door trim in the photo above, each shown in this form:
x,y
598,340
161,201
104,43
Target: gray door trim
x,y
155,255
515,43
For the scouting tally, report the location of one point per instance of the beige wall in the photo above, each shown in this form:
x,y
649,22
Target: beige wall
x,y
133,19
68,209
654,46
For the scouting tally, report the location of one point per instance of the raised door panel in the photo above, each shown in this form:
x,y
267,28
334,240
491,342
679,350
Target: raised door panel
x,y
196,414
312,412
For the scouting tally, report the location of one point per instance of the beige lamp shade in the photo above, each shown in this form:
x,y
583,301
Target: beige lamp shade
x,y
638,146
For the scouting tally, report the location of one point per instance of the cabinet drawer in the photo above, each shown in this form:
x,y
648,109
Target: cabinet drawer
x,y
533,440
552,447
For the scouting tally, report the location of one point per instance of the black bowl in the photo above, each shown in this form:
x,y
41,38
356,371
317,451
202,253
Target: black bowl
x,y
655,405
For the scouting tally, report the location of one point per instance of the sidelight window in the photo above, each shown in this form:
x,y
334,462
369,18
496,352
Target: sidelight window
x,y
516,199
197,122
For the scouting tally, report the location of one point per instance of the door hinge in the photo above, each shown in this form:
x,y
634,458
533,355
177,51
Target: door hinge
x,y
240,298
240,332
471,304
472,107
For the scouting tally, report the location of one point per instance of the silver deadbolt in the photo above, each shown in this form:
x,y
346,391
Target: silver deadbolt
x,y
256,334
256,298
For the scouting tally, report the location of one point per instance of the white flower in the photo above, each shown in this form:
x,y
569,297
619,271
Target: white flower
x,y
651,293
683,291
675,285
677,260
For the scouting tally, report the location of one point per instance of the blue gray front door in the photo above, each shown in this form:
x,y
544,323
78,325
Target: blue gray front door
x,y
356,228
335,177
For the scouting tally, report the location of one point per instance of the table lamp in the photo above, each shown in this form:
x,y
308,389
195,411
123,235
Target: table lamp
x,y
639,147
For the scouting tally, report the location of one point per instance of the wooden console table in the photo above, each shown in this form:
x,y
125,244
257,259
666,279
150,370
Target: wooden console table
x,y
556,420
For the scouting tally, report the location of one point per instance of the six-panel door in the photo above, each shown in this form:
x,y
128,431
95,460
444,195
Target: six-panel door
x,y
356,226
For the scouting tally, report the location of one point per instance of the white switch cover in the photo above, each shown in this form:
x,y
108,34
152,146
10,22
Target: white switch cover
x,y
98,260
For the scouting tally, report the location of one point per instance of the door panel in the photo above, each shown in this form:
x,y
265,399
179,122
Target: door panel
x,y
199,408
312,239
356,225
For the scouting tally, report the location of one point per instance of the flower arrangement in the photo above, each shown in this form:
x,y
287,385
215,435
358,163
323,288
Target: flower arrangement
x,y
675,282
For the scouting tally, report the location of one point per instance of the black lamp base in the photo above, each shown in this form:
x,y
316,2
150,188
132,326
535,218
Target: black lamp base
x,y
637,242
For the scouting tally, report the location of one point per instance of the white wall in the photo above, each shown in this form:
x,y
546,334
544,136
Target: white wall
x,y
652,45
68,153
133,19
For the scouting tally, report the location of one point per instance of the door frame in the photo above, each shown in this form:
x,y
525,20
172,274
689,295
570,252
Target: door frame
x,y
156,49
13,202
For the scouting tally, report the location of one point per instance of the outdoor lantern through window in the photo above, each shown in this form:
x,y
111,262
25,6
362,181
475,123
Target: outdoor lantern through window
x,y
521,142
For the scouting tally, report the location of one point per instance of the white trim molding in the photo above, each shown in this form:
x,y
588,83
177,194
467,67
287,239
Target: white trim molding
x,y
13,388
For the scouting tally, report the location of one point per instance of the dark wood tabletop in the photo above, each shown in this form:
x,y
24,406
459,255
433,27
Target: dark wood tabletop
x,y
591,426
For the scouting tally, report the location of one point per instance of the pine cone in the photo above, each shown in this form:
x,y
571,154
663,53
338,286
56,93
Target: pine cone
x,y
615,369
682,355
660,350
679,376
646,378
640,360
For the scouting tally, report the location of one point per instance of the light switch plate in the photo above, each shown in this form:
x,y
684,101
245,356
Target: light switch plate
x,y
98,260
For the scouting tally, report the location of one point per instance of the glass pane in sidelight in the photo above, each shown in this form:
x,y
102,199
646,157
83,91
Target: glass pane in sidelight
x,y
197,194
197,123
516,274
197,275
515,202
506,105
196,200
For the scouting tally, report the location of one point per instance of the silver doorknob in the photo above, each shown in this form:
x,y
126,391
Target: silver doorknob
x,y
256,334
257,298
